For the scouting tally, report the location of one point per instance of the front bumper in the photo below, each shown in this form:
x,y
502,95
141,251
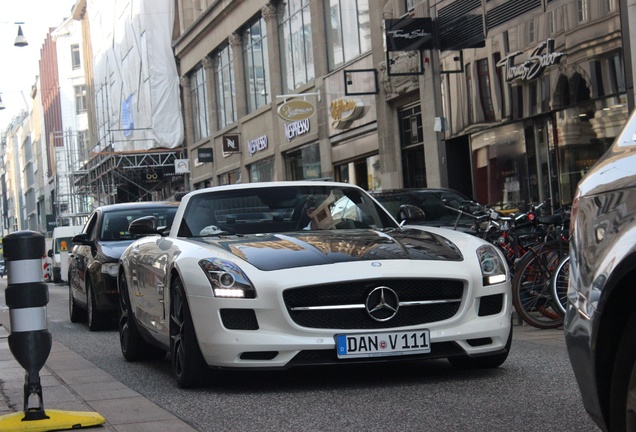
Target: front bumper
x,y
279,343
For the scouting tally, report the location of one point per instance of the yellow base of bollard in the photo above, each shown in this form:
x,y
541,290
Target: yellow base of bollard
x,y
58,420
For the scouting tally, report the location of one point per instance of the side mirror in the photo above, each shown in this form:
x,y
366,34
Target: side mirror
x,y
82,239
411,213
147,225
50,253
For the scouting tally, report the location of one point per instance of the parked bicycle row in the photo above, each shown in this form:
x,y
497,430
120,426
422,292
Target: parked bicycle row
x,y
535,244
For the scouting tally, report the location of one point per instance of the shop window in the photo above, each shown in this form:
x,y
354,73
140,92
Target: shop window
x,y
364,172
199,103
262,171
296,45
256,65
485,94
545,93
348,30
226,87
411,142
303,163
532,89
232,177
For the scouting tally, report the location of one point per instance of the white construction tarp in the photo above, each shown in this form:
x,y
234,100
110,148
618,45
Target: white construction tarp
x,y
135,75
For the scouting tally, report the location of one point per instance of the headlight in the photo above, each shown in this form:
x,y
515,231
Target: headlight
x,y
227,279
110,269
493,268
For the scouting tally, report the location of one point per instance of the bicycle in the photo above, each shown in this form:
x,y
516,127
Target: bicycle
x,y
532,282
560,283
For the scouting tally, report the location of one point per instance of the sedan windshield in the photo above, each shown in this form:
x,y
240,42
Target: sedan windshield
x,y
282,209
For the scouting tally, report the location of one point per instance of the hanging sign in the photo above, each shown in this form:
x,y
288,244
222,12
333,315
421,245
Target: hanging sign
x,y
205,155
409,34
295,110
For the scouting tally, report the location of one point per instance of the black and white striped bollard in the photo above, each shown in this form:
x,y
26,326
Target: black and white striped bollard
x,y
26,296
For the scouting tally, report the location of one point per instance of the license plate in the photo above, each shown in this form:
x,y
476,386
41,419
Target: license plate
x,y
383,344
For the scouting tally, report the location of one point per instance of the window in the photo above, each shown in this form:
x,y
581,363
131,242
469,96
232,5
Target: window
x,y
469,94
303,164
75,56
485,94
199,101
262,171
532,31
609,6
256,65
582,10
500,84
411,132
226,87
409,4
348,30
80,99
297,59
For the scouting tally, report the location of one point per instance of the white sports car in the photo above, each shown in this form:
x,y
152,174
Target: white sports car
x,y
274,275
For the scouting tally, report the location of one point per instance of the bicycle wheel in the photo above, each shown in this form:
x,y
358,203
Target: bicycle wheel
x,y
531,293
559,285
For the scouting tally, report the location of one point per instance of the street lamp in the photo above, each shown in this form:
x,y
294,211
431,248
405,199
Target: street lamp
x,y
20,40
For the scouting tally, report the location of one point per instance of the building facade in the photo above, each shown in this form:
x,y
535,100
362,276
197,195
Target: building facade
x,y
513,108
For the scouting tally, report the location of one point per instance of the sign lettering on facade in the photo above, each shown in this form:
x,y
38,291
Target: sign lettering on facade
x,y
297,128
534,66
257,144
344,111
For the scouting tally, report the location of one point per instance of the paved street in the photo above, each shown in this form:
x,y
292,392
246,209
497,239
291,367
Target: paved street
x,y
531,392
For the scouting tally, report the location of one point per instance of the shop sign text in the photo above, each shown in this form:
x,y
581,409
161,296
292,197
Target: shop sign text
x,y
257,144
344,111
295,110
297,128
534,66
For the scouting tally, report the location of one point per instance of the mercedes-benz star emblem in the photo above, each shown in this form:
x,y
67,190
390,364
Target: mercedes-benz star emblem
x,y
382,303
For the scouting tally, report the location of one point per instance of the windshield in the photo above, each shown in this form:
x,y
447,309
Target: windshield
x,y
282,209
116,223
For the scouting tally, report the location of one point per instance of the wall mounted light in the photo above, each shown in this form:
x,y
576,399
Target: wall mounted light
x,y
1,104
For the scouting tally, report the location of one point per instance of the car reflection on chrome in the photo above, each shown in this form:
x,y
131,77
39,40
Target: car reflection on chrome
x,y
282,274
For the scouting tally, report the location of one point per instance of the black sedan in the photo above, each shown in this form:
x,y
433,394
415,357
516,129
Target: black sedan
x,y
92,271
430,207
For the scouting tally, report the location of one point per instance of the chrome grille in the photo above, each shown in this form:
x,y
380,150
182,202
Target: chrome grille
x,y
342,305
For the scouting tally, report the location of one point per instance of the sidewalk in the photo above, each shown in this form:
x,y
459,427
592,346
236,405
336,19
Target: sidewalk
x,y
69,382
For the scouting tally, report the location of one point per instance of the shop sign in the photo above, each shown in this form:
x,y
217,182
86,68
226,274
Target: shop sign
x,y
297,128
257,144
231,143
344,111
205,155
535,65
409,34
295,110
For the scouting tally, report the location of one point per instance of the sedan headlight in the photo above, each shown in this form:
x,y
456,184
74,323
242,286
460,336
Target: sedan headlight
x,y
493,268
110,269
227,279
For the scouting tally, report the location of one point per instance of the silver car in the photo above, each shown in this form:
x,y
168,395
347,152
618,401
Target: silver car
x,y
600,323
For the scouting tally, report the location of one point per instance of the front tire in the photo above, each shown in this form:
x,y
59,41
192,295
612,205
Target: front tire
x,y
623,390
133,346
188,365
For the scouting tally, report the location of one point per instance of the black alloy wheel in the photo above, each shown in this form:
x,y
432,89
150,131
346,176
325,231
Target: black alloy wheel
x,y
96,320
188,365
